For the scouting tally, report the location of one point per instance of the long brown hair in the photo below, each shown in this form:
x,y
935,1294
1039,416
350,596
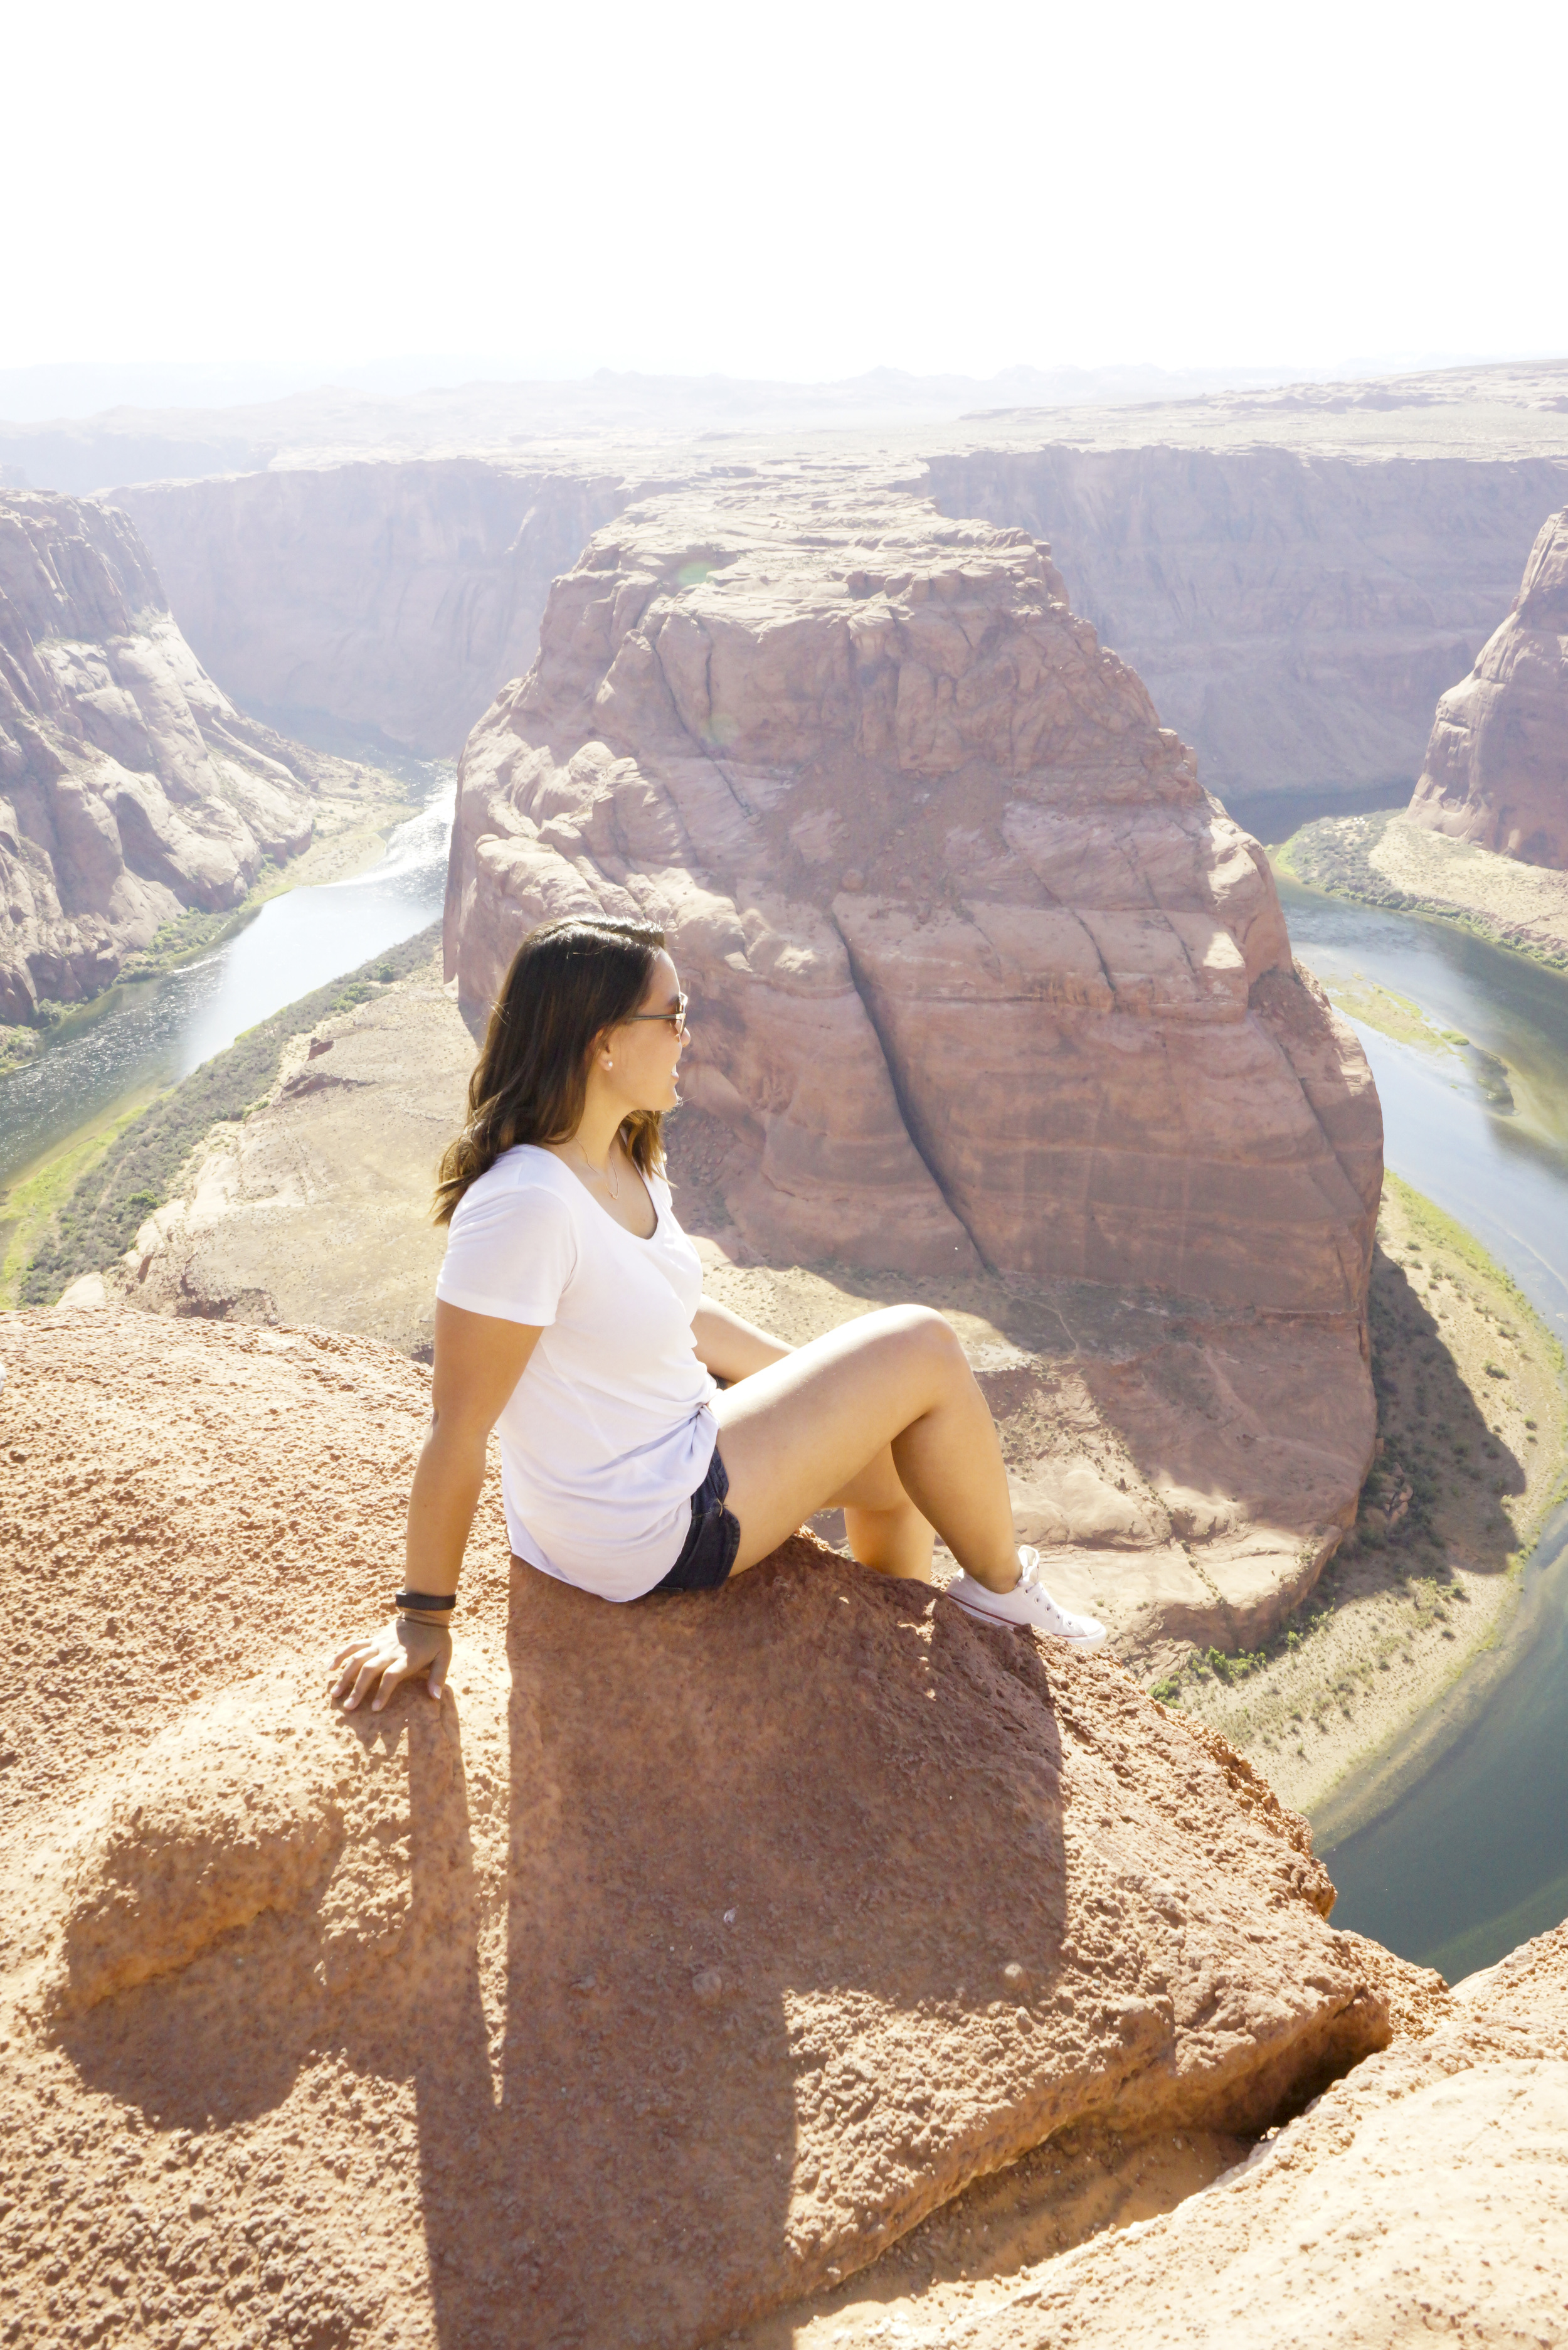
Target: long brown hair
x,y
570,980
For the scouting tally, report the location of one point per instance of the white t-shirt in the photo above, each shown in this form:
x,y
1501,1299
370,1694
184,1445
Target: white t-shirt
x,y
609,1431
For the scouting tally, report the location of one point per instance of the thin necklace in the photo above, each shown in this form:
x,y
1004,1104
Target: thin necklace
x,y
603,1174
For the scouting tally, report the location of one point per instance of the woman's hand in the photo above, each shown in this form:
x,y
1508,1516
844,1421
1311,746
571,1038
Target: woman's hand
x,y
402,1649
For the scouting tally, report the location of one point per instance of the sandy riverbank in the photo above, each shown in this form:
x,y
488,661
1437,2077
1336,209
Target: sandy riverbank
x,y
1473,1445
79,1206
1385,859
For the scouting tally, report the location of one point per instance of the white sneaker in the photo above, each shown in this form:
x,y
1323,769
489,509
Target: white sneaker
x,y
1028,1602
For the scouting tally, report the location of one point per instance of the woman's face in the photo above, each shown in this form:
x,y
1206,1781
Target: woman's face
x,y
645,1052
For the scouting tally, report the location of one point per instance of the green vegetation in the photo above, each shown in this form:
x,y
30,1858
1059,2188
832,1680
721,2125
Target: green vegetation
x,y
17,1045
1334,855
30,1206
1432,1228
1212,1665
1429,1599
1379,1007
193,932
130,1170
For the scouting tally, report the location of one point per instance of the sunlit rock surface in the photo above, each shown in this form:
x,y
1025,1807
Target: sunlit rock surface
x,y
687,1954
1423,2197
391,598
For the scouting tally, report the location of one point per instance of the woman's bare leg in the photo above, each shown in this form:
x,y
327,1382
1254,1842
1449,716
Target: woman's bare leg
x,y
885,1529
806,1432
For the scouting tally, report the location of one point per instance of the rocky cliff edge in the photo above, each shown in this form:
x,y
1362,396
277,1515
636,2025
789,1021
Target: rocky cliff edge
x,y
679,1963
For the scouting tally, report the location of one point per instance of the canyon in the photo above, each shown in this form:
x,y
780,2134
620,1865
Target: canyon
x,y
1296,614
992,1005
1185,1469
1496,770
390,598
133,790
1295,573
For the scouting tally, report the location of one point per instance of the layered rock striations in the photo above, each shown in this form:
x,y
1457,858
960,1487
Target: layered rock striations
x,y
1294,612
131,788
386,597
980,971
679,1960
1496,770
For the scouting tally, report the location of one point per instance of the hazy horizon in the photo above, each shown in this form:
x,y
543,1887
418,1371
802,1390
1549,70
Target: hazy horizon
x,y
71,392
791,198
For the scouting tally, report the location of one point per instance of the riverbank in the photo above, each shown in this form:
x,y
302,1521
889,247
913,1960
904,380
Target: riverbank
x,y
1385,859
349,835
81,1207
1472,1419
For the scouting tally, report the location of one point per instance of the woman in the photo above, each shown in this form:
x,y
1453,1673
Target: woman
x,y
570,1314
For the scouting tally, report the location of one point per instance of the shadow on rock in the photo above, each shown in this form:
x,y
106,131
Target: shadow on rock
x,y
220,2043
232,1896
1442,1472
683,1970
743,1919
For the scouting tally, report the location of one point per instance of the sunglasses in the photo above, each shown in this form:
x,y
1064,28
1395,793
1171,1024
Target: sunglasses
x,y
677,1019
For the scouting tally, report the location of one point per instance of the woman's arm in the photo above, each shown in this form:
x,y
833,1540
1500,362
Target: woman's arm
x,y
730,1348
479,1360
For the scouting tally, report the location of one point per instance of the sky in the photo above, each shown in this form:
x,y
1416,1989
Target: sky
x,y
800,193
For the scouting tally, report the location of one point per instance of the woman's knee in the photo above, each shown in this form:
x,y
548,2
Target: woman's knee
x,y
921,1333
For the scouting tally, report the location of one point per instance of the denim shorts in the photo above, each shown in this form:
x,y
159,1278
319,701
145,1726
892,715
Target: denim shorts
x,y
709,1551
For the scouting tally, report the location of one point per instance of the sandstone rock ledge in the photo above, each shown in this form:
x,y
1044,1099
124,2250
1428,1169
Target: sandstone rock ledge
x,y
681,1959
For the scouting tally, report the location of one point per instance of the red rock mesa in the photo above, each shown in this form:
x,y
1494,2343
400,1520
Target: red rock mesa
x,y
979,970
